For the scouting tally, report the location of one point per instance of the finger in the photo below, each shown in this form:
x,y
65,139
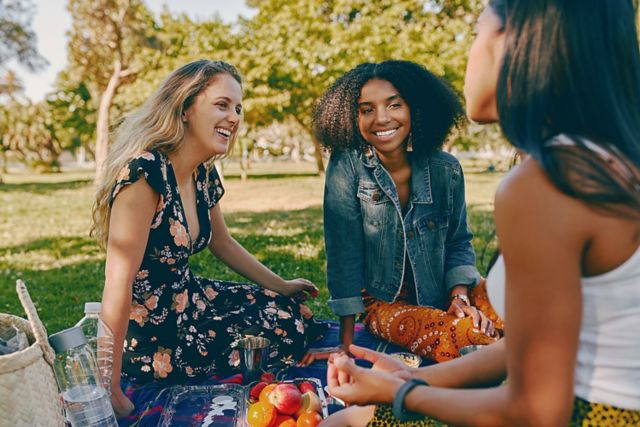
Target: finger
x,y
484,322
345,367
313,290
364,353
471,311
492,330
306,360
332,376
458,311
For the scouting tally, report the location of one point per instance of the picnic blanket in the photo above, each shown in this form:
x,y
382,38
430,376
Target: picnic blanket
x,y
150,399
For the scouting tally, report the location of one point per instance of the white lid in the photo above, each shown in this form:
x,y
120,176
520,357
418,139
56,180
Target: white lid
x,y
92,307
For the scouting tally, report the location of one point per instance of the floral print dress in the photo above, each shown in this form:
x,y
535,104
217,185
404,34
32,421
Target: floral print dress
x,y
183,326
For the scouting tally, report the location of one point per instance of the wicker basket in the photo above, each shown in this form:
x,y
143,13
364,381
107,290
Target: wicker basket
x,y
28,390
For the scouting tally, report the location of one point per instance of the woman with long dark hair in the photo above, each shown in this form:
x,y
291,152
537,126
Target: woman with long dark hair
x,y
563,79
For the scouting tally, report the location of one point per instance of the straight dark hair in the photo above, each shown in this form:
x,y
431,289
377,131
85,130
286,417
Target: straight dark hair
x,y
573,68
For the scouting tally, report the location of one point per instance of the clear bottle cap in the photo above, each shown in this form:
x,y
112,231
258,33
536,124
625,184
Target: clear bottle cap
x,y
67,339
92,307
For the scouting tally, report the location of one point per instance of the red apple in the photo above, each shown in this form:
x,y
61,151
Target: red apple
x,y
267,377
310,403
286,398
254,393
306,386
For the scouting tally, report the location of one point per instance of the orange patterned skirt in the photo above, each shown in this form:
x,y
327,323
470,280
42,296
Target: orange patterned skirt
x,y
426,331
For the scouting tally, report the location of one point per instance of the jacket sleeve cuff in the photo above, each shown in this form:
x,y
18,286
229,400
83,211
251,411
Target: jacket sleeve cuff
x,y
462,275
347,306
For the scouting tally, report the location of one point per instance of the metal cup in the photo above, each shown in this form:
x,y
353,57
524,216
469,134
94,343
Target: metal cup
x,y
254,357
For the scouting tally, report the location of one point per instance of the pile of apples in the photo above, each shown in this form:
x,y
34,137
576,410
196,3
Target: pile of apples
x,y
283,404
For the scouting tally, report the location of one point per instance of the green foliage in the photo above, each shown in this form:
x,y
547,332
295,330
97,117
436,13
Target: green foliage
x,y
289,53
276,216
18,41
29,133
104,32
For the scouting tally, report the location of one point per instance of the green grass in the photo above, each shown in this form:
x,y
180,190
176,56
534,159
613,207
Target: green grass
x,y
276,215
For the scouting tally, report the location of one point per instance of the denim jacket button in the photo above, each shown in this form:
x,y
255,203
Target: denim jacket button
x,y
431,225
410,235
376,196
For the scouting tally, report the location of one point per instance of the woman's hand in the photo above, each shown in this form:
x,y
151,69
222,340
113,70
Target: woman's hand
x,y
298,288
382,362
480,321
323,353
122,406
360,386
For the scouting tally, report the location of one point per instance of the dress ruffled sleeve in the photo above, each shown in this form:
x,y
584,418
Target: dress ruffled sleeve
x,y
147,165
215,190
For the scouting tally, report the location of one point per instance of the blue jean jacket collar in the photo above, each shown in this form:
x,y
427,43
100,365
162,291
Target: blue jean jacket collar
x,y
420,176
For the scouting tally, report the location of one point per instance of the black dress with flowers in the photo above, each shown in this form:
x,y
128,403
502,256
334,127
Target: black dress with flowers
x,y
184,326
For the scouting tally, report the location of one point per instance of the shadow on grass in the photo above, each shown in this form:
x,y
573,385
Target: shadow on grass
x,y
44,187
59,247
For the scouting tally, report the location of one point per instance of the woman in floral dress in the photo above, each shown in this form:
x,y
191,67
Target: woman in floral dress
x,y
158,204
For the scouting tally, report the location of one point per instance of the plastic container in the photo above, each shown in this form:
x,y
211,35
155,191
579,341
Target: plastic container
x,y
100,340
86,401
220,405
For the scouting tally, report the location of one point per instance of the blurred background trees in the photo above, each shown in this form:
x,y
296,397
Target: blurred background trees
x,y
289,52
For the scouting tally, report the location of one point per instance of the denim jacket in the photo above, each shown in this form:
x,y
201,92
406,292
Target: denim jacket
x,y
367,238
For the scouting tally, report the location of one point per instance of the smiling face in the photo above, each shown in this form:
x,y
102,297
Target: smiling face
x,y
483,68
384,119
214,117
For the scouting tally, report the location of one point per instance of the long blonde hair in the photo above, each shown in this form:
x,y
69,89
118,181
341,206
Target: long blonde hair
x,y
157,125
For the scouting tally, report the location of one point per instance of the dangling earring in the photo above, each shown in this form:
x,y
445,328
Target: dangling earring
x,y
410,142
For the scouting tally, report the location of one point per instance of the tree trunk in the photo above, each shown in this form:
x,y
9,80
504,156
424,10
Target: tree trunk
x,y
318,148
318,155
102,127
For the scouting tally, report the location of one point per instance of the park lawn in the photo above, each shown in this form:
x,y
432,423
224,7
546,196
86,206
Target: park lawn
x,y
276,215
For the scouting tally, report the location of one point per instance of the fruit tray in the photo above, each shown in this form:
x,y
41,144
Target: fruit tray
x,y
284,402
222,405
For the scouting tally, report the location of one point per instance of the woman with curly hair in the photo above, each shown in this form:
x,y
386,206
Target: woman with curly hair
x,y
563,80
157,205
395,221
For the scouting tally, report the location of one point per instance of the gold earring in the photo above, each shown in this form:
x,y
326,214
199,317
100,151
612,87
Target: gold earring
x,y
410,142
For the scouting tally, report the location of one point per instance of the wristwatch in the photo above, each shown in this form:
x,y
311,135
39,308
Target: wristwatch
x,y
398,401
462,297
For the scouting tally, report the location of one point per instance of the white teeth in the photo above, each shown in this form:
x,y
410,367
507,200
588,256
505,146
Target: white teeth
x,y
386,132
223,131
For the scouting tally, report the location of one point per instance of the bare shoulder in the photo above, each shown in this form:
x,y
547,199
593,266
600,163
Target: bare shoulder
x,y
527,201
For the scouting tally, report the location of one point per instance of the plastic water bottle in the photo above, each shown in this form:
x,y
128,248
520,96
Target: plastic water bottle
x,y
86,400
100,340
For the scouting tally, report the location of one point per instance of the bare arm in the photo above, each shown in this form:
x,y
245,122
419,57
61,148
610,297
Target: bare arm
x,y
484,367
542,234
236,257
131,216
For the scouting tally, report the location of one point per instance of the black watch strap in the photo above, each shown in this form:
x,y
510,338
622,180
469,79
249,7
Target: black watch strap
x,y
398,401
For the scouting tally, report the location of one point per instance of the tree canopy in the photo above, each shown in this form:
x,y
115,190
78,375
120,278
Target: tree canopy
x,y
289,52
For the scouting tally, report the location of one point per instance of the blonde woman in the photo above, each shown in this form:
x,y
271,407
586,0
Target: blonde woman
x,y
158,204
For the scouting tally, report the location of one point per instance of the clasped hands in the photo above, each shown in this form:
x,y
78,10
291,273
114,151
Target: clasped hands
x,y
356,385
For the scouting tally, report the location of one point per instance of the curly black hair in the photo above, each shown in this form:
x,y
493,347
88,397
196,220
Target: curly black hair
x,y
433,105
